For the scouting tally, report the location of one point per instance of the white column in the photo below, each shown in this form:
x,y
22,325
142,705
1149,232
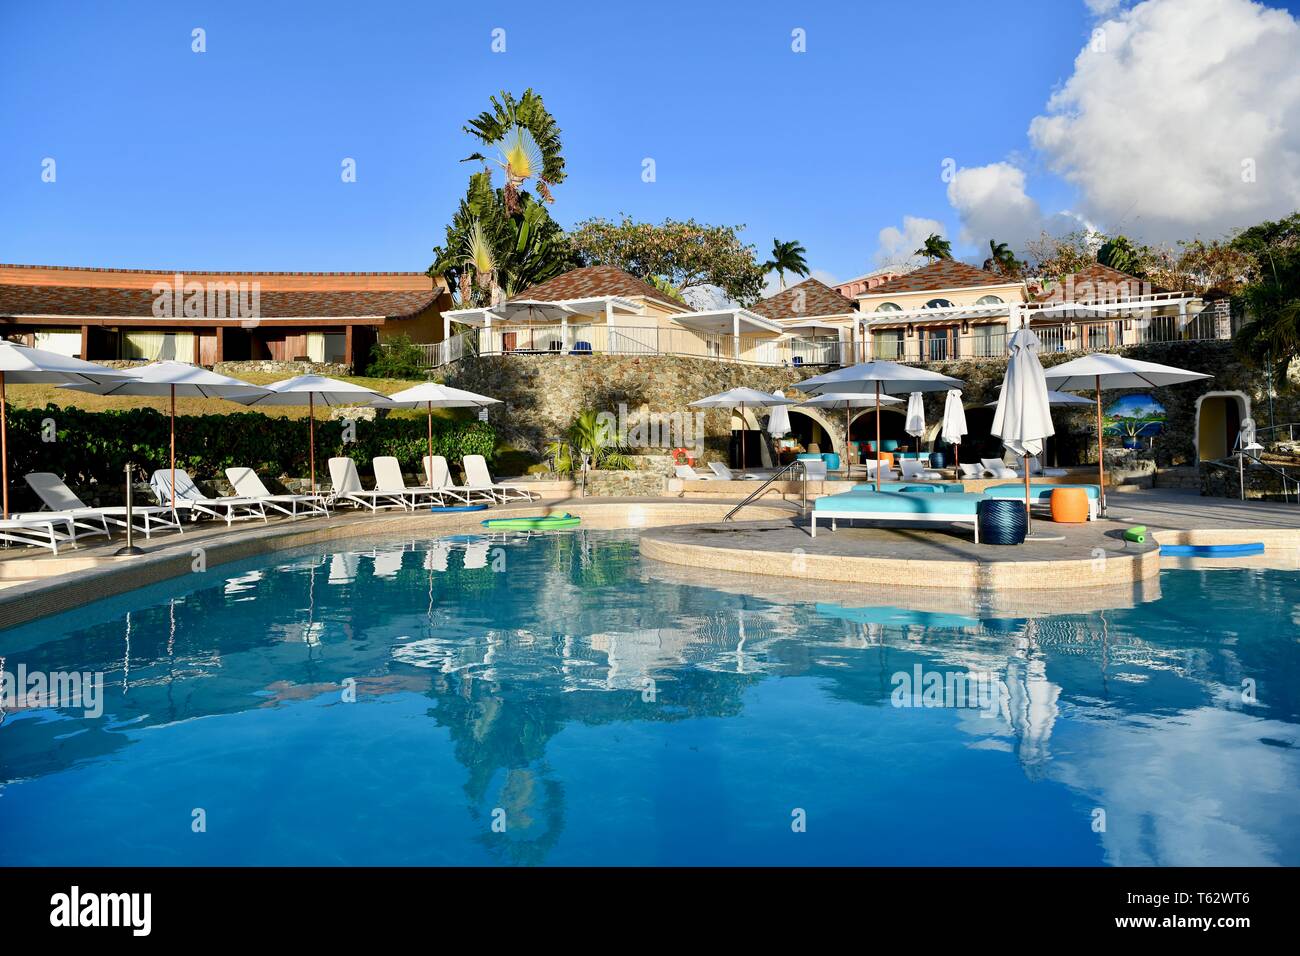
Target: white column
x,y
564,333
487,327
446,326
735,335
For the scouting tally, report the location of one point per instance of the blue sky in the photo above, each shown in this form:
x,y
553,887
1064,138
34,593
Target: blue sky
x,y
230,159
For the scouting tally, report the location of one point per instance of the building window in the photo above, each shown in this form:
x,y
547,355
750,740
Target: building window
x,y
988,300
889,307
62,341
939,304
156,346
326,346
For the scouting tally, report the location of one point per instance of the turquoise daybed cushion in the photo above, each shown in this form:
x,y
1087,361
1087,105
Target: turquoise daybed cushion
x,y
1017,490
951,487
888,502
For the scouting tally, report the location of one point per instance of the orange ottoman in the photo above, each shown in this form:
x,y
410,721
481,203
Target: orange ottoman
x,y
1070,505
887,459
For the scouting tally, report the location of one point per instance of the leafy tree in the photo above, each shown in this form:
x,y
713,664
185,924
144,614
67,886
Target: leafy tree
x,y
1272,300
1120,253
396,357
682,255
786,257
1002,260
1054,257
590,443
936,247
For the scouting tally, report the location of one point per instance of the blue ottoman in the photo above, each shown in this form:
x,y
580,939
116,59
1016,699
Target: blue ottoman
x,y
1002,521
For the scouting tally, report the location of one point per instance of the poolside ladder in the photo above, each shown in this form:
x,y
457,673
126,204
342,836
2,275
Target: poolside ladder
x,y
786,472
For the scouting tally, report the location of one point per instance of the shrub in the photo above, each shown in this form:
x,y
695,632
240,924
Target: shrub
x,y
396,357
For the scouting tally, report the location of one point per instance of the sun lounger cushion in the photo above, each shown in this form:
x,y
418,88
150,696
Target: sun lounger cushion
x,y
948,487
1017,490
891,502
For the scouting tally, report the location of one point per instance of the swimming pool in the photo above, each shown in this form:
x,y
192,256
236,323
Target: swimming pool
x,y
555,698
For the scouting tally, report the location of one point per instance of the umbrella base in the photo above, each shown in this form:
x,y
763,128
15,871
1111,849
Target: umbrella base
x,y
1037,536
128,552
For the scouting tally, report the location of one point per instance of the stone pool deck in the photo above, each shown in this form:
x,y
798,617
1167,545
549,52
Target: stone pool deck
x,y
689,534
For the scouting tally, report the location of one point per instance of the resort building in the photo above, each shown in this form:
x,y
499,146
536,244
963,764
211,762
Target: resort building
x,y
211,317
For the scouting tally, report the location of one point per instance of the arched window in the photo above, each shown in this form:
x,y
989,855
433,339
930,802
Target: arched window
x,y
889,307
939,304
988,300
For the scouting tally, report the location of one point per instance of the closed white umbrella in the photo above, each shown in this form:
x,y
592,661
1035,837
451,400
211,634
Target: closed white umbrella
x,y
849,401
432,395
309,390
20,365
172,378
1023,419
915,425
778,423
881,378
953,429
1103,370
740,398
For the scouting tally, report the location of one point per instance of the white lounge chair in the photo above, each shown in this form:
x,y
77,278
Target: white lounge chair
x,y
388,477
726,474
814,469
62,502
1036,469
971,472
38,531
347,489
996,468
886,473
438,473
188,496
248,485
914,470
478,478
687,473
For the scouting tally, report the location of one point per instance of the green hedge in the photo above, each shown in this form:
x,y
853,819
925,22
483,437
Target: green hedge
x,y
98,445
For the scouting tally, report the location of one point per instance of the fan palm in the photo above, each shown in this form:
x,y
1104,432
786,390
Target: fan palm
x,y
786,257
480,258
527,139
936,247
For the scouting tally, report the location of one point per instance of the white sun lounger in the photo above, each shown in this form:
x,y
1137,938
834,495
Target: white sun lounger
x,y
38,531
996,468
388,477
347,489
726,474
478,478
189,496
62,502
687,473
914,470
438,473
247,484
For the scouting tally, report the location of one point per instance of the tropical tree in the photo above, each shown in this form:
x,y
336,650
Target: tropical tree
x,y
1055,257
527,140
1001,259
674,254
936,247
786,257
590,443
1119,253
1272,337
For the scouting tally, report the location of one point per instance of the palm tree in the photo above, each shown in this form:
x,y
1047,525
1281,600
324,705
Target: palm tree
x,y
786,257
594,443
1002,259
936,247
527,140
1118,253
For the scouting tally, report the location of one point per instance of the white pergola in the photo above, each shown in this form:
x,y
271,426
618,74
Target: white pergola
x,y
533,310
732,321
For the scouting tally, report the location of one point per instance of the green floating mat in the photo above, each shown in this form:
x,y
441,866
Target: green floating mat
x,y
537,523
1137,534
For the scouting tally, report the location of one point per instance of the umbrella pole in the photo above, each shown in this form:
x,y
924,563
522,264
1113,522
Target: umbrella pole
x,y
742,437
1029,518
429,408
4,442
878,459
173,442
848,440
311,437
1101,454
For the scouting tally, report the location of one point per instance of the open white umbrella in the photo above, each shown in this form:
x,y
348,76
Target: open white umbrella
x,y
309,390
172,378
20,365
432,395
953,429
742,398
849,401
915,425
1023,419
778,423
1054,398
1103,370
881,378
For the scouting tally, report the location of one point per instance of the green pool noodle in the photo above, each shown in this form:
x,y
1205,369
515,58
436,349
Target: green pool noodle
x,y
1137,534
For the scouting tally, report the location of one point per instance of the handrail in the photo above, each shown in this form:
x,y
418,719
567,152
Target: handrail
x,y
1233,464
757,492
1289,426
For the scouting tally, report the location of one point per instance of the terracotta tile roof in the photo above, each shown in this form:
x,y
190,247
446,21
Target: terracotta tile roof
x,y
807,300
97,301
592,282
1093,283
943,274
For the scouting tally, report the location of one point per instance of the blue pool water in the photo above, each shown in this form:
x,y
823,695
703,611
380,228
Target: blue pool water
x,y
608,709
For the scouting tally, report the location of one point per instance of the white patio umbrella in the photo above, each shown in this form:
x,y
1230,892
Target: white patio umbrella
x,y
432,395
1103,370
953,429
1023,419
778,423
742,398
915,425
881,378
1053,398
848,401
172,378
308,390
20,365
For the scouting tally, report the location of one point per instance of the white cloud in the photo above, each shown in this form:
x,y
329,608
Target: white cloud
x,y
895,246
1102,7
992,203
1159,129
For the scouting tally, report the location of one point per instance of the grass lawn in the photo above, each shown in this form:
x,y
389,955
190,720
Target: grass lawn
x,y
38,396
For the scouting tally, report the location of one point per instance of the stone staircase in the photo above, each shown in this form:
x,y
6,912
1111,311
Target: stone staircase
x,y
1179,476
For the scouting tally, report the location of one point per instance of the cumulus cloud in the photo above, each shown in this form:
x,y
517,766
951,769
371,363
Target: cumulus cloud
x,y
895,245
1181,117
992,203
